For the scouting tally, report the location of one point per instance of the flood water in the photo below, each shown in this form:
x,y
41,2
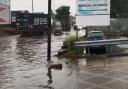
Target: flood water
x,y
23,61
23,65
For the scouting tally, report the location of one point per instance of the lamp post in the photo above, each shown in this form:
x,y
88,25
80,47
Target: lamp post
x,y
49,32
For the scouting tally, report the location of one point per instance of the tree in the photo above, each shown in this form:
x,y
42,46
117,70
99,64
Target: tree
x,y
63,15
119,7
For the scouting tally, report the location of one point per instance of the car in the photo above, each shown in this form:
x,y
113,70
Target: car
x,y
58,29
96,35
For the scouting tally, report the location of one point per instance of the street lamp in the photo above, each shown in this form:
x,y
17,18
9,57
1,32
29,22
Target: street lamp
x,y
49,32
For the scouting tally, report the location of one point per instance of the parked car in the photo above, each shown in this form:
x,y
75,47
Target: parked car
x,y
58,29
96,35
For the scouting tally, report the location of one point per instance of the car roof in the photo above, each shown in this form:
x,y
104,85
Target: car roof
x,y
95,32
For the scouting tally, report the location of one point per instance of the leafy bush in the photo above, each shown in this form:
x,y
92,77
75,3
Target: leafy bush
x,y
69,41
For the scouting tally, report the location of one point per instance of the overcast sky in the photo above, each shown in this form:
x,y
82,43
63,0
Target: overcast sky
x,y
41,5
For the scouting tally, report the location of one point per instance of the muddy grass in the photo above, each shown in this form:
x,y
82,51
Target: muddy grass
x,y
8,31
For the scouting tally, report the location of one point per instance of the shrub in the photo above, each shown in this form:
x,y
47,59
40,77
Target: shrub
x,y
69,41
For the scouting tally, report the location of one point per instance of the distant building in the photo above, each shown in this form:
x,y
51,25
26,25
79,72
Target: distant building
x,y
31,23
13,16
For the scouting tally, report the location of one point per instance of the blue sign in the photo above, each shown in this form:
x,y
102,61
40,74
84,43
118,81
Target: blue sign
x,y
93,7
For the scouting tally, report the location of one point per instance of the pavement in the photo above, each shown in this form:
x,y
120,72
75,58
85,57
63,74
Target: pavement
x,y
114,75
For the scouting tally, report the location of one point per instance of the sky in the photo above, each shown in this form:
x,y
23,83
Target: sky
x,y
42,5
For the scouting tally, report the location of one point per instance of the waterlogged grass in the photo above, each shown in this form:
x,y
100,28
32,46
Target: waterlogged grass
x,y
3,27
70,43
95,57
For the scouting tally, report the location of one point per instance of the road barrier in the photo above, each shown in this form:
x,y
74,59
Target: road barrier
x,y
101,42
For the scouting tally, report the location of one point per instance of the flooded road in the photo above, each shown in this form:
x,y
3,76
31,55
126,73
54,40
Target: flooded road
x,y
23,62
23,65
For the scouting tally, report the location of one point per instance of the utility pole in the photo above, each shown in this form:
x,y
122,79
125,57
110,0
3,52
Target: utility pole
x,y
49,32
32,7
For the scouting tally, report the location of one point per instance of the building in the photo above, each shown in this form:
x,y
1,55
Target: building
x,y
31,23
5,15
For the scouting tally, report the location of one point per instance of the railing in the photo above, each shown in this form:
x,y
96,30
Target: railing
x,y
101,42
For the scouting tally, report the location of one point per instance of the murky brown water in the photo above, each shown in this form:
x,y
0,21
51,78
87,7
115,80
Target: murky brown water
x,y
23,62
23,65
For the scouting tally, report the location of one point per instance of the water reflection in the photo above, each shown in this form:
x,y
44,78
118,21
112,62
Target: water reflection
x,y
49,81
49,74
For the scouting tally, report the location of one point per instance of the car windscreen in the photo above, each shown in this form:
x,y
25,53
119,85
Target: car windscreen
x,y
96,34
